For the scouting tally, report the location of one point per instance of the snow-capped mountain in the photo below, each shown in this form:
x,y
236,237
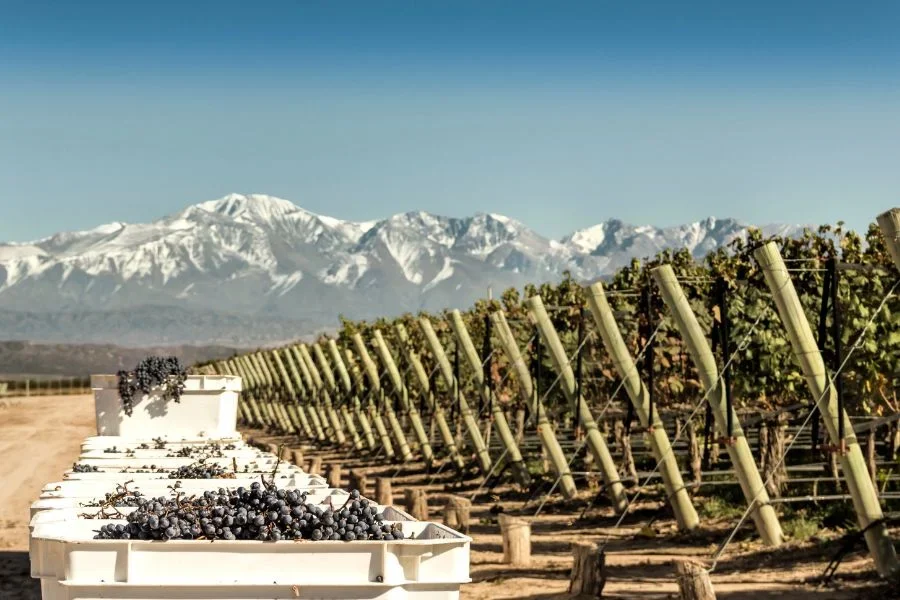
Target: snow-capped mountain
x,y
253,268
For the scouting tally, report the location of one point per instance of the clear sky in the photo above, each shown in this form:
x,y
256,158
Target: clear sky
x,y
561,114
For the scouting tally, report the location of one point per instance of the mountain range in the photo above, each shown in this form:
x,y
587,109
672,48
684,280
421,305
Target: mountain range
x,y
255,269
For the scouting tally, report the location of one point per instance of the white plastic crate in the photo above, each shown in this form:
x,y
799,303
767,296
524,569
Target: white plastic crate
x,y
101,442
160,487
66,551
207,408
256,464
64,590
245,452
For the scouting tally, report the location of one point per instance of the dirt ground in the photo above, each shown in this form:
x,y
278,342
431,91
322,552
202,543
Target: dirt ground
x,y
40,438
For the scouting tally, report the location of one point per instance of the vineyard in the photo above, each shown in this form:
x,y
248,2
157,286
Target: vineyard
x,y
764,380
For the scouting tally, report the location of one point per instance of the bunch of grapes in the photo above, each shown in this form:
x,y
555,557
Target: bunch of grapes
x,y
255,513
79,468
154,372
201,470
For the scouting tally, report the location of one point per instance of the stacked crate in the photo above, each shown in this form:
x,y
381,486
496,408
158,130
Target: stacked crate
x,y
430,563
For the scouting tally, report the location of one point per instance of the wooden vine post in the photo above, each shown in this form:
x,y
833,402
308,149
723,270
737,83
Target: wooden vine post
x,y
514,456
263,389
889,223
853,463
264,386
334,393
277,387
437,350
387,360
356,378
333,475
371,371
290,402
285,357
251,393
549,443
597,445
357,480
386,406
762,512
318,421
437,410
321,392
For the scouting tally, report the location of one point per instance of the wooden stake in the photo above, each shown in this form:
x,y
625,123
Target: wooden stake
x,y
588,570
693,581
456,513
661,447
563,365
297,458
550,448
315,465
333,475
417,504
516,534
513,455
806,351
763,513
383,493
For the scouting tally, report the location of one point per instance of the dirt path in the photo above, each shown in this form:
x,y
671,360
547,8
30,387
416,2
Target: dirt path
x,y
40,437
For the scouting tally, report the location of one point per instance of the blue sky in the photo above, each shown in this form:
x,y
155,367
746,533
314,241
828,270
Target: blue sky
x,y
560,114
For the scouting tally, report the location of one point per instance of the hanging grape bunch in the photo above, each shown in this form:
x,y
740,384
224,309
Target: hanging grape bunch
x,y
254,513
163,373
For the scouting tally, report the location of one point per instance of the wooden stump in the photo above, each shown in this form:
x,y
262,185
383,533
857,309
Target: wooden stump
x,y
456,513
870,456
315,465
297,458
588,577
516,535
693,581
333,475
384,495
417,504
696,457
358,482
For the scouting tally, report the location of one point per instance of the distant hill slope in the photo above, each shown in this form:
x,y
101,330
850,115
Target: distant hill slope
x,y
21,358
246,269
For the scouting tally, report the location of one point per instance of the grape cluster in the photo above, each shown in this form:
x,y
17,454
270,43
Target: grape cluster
x,y
254,513
79,468
154,372
201,470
